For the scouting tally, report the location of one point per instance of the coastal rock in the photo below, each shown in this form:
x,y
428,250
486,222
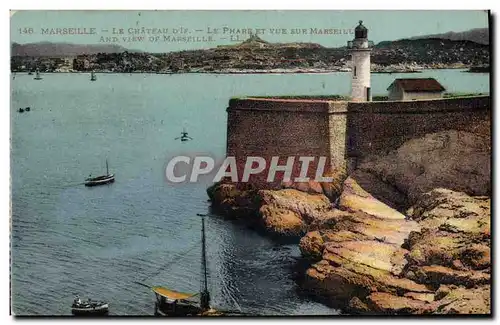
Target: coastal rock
x,y
453,212
307,206
281,221
452,159
438,274
312,245
465,301
233,202
397,266
455,231
385,303
310,187
382,191
285,212
355,199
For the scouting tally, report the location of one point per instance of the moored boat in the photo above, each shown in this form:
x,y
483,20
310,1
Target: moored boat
x,y
93,76
173,303
88,307
178,304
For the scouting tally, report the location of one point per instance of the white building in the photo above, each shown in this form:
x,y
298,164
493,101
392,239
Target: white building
x,y
415,88
360,49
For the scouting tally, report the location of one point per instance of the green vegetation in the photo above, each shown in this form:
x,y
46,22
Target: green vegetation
x,y
307,97
455,95
380,98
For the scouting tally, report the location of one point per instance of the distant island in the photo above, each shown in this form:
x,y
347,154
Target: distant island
x,y
256,55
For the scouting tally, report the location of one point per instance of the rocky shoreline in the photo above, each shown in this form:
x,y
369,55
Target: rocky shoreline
x,y
405,233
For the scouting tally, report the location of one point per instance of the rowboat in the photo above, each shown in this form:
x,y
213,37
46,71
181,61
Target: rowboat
x,y
88,307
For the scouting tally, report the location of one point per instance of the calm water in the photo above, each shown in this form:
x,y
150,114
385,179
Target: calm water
x,y
68,239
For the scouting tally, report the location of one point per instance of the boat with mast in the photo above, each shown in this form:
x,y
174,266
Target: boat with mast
x,y
93,76
37,76
173,303
177,304
101,180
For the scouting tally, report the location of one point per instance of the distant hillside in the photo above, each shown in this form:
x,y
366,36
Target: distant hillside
x,y
477,35
254,41
62,49
258,55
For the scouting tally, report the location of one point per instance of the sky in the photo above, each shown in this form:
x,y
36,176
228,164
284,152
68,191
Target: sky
x,y
382,25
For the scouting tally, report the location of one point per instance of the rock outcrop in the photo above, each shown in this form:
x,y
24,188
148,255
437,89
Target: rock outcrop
x,y
369,254
457,160
285,212
366,263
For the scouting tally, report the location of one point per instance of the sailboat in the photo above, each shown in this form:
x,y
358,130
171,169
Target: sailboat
x,y
177,304
93,76
174,303
37,77
101,180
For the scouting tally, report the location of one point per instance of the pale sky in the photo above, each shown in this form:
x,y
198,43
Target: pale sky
x,y
382,25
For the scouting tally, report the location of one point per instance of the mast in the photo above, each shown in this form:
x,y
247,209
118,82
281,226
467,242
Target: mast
x,y
107,171
204,295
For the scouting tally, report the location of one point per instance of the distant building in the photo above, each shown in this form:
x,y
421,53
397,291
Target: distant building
x,y
416,88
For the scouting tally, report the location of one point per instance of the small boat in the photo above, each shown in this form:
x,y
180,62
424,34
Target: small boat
x,y
37,77
93,76
27,109
88,307
30,73
184,136
173,303
101,180
20,110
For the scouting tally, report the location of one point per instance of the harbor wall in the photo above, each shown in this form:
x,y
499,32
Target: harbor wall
x,y
342,131
281,128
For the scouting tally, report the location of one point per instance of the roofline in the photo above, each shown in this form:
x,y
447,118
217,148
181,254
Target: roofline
x,y
428,91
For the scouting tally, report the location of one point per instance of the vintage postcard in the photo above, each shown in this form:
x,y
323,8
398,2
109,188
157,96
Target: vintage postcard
x,y
250,163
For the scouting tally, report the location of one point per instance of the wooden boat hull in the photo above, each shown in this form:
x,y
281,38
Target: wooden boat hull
x,y
177,310
102,181
90,311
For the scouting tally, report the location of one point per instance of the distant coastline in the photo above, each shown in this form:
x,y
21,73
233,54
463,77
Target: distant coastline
x,y
255,55
384,70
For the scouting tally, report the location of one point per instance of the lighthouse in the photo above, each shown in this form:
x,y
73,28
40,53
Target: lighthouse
x,y
360,49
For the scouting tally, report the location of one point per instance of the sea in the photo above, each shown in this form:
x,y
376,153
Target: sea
x,y
68,239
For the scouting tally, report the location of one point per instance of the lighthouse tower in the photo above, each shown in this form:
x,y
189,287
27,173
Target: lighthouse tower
x,y
360,49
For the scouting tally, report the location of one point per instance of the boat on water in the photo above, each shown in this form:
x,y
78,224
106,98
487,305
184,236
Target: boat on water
x,y
184,136
174,303
20,110
179,304
37,76
101,180
89,307
30,73
93,76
